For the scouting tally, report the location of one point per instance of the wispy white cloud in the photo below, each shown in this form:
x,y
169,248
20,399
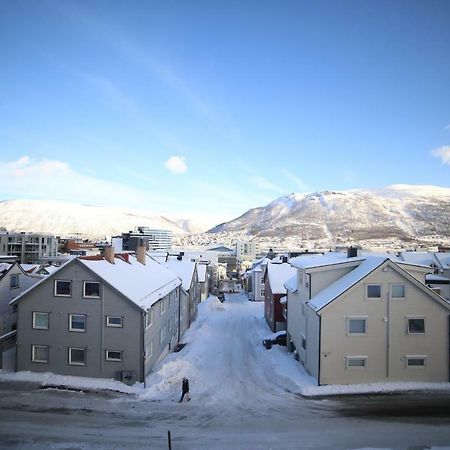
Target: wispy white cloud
x,y
265,184
443,153
53,179
176,164
300,184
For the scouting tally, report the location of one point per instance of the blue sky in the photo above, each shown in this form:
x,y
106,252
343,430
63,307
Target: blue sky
x,y
210,108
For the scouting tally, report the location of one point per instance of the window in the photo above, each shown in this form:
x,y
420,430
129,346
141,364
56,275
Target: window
x,y
162,334
356,362
149,318
77,356
163,306
77,322
416,326
39,353
415,362
113,355
303,342
91,289
263,292
373,291
114,321
356,326
398,291
149,351
40,320
63,288
14,281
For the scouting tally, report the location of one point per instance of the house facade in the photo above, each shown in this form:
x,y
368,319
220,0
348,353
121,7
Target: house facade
x,y
376,322
102,317
276,275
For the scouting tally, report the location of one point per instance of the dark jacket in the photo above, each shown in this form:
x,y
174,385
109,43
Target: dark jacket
x,y
186,385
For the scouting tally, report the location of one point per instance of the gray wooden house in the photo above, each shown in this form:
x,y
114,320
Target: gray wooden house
x,y
112,316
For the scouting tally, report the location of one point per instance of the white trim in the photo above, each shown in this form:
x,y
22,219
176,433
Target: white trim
x,y
391,285
408,318
78,330
114,325
55,294
367,289
91,296
356,358
149,322
149,351
71,363
34,321
108,358
41,361
409,357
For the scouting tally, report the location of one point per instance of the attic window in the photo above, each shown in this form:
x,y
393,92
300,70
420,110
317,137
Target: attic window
x,y
91,289
373,291
14,281
63,288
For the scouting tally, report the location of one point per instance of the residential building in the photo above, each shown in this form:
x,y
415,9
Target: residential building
x,y
29,248
110,316
275,276
367,319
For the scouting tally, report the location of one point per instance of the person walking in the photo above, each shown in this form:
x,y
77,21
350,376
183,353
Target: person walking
x,y
185,390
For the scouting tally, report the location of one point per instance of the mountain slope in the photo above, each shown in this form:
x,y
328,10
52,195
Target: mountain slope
x,y
67,219
397,212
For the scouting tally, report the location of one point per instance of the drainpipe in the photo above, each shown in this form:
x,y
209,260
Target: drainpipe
x,y
320,348
143,346
388,308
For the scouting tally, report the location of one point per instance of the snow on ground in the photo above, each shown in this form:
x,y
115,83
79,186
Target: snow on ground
x,y
225,361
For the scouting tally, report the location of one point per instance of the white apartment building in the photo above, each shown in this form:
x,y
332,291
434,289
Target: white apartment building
x,y
29,248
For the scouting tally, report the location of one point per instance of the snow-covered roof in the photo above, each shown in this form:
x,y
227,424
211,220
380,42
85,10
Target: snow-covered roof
x,y
184,270
4,267
30,268
422,258
278,274
344,283
201,272
143,284
431,277
443,259
291,284
318,260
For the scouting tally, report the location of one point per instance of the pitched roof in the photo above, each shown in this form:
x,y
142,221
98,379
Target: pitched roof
x,y
143,284
291,284
278,274
313,261
344,283
183,269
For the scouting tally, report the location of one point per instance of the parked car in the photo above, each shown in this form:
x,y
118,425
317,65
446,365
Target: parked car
x,y
221,297
275,339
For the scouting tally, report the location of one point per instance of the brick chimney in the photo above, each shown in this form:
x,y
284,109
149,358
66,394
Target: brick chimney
x,y
108,253
140,252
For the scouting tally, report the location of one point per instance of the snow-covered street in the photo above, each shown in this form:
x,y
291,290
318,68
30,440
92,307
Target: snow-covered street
x,y
243,397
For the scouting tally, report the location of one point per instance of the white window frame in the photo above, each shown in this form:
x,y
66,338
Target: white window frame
x,y
163,306
62,295
397,284
77,330
36,327
72,363
367,291
109,358
355,358
415,367
149,319
91,296
162,334
114,325
40,361
349,319
149,351
417,332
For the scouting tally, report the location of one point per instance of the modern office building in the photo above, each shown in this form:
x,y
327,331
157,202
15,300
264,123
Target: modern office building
x,y
154,239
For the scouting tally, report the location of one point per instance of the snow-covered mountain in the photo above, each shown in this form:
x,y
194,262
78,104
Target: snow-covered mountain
x,y
68,219
400,212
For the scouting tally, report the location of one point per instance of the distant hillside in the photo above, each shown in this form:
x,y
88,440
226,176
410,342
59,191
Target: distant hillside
x,y
67,219
402,212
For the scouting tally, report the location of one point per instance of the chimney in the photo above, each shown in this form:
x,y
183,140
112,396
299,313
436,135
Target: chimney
x,y
352,252
284,259
108,253
140,251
